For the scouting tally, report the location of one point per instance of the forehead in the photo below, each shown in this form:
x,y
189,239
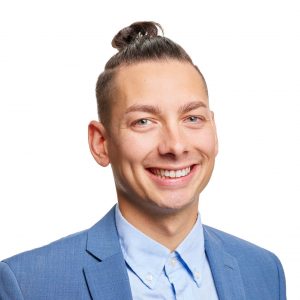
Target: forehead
x,y
159,83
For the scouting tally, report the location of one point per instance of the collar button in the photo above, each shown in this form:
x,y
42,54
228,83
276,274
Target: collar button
x,y
149,277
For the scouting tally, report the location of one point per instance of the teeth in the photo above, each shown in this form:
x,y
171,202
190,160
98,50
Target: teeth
x,y
171,173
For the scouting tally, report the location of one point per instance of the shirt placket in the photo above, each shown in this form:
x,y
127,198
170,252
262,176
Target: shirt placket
x,y
178,278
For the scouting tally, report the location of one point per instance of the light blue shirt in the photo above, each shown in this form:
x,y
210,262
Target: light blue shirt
x,y
156,273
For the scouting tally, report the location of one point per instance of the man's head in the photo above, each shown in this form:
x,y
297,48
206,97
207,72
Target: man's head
x,y
160,138
139,42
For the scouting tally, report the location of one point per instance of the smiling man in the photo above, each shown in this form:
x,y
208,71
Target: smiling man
x,y
157,132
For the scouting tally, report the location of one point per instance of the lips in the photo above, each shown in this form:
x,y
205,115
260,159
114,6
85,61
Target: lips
x,y
165,173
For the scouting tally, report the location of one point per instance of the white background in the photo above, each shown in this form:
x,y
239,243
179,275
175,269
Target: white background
x,y
51,53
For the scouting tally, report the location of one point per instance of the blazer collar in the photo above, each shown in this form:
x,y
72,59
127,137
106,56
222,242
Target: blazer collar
x,y
224,268
106,276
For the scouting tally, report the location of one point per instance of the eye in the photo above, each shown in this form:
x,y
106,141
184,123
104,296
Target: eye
x,y
142,122
194,119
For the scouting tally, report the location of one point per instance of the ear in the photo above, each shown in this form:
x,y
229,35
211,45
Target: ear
x,y
216,136
98,143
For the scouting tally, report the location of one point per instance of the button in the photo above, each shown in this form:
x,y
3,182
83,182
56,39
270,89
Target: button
x,y
173,262
197,275
149,277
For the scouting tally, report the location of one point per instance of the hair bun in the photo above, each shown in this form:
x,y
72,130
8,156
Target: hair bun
x,y
135,31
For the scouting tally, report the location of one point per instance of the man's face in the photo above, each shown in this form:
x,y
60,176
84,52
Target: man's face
x,y
162,142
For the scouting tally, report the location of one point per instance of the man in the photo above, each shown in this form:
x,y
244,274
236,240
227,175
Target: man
x,y
158,134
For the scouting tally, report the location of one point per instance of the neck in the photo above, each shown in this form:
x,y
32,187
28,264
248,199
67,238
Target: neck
x,y
168,229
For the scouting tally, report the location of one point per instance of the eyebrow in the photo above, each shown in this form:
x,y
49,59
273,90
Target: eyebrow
x,y
143,108
156,111
191,106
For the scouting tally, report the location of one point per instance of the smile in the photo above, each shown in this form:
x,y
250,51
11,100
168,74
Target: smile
x,y
163,173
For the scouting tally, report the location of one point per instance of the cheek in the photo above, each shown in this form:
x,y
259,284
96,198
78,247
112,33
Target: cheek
x,y
207,142
131,148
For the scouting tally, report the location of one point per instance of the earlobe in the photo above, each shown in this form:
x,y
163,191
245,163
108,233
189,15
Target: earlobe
x,y
98,143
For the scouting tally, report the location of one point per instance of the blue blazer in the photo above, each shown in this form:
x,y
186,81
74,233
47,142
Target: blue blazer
x,y
90,265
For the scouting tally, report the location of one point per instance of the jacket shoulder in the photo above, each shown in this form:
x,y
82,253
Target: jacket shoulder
x,y
233,244
58,270
63,246
249,256
69,250
239,248
256,264
55,270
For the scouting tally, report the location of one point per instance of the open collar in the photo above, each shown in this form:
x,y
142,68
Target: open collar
x,y
148,258
107,276
144,256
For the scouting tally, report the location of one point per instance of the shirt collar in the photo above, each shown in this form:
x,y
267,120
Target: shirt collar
x,y
147,258
191,251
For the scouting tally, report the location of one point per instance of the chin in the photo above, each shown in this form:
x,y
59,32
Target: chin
x,y
174,204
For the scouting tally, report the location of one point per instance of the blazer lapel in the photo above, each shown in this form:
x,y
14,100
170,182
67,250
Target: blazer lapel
x,y
106,275
224,268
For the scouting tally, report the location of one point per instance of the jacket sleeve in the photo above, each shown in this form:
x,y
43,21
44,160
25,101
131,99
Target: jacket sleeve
x,y
9,288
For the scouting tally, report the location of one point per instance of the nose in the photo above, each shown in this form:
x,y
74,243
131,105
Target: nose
x,y
172,142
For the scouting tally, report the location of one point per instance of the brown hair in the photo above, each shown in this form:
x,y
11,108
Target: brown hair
x,y
136,43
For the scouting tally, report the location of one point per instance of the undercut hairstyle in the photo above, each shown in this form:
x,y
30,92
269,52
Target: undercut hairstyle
x,y
136,43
